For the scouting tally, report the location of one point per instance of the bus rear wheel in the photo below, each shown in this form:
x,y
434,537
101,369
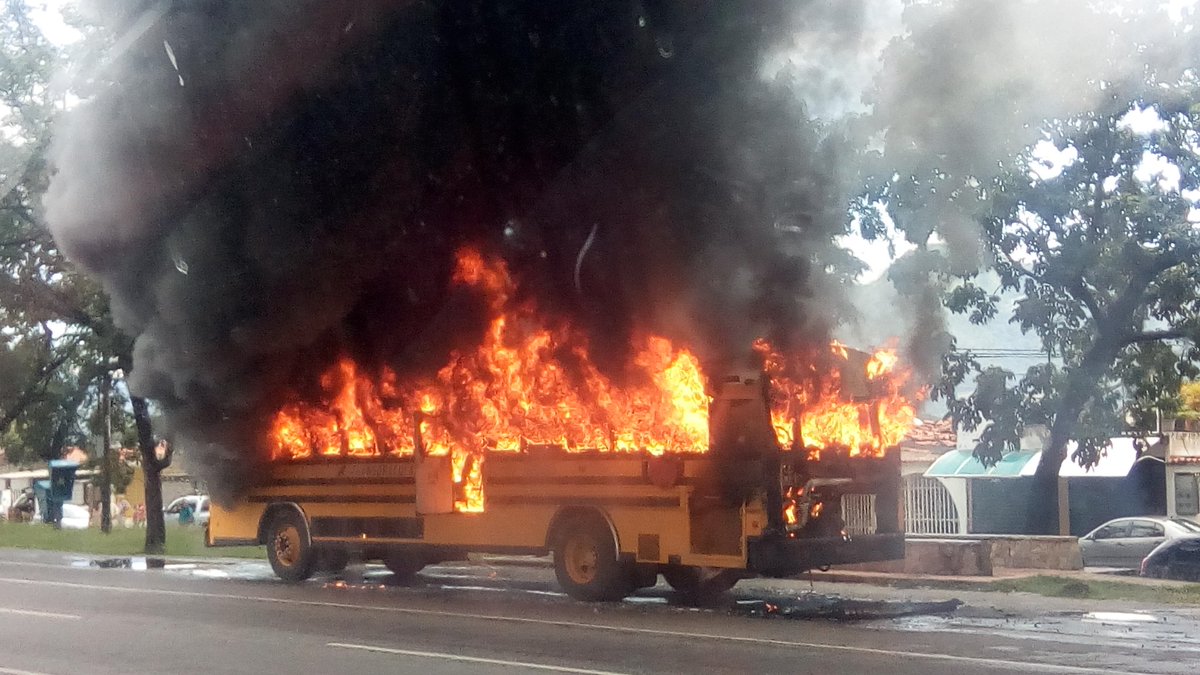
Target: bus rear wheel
x,y
290,553
700,582
586,562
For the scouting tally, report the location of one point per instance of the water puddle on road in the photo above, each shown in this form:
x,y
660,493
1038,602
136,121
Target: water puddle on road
x,y
1161,631
1120,617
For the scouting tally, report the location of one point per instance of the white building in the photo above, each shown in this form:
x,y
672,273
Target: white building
x,y
1183,473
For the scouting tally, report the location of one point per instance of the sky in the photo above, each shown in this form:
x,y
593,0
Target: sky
x,y
47,14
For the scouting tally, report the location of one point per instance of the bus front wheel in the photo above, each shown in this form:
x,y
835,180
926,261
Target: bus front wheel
x,y
586,562
291,554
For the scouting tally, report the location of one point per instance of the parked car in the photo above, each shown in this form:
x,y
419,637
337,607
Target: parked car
x,y
1124,542
199,504
1174,559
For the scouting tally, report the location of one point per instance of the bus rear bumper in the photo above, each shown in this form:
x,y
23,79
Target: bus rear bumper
x,y
779,556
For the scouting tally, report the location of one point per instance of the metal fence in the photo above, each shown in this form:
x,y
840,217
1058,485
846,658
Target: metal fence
x,y
928,507
858,514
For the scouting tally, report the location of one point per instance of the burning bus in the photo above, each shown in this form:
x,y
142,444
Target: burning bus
x,y
523,445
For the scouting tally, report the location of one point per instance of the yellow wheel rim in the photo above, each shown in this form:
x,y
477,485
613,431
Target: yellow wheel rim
x,y
287,546
580,559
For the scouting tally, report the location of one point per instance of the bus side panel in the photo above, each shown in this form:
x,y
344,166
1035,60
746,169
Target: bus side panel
x,y
235,526
651,535
506,526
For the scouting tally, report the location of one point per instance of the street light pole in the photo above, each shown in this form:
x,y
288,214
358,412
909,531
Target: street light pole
x,y
105,460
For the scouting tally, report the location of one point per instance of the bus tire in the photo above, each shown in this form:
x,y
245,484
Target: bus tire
x,y
700,582
288,548
403,565
586,561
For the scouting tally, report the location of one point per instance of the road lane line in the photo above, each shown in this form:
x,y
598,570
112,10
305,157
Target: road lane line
x,y
471,659
14,671
31,612
22,563
932,656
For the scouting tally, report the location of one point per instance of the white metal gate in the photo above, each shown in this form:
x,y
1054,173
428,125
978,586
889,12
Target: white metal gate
x,y
928,507
858,514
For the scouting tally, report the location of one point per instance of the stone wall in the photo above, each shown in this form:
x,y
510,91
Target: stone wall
x,y
978,555
947,557
1034,552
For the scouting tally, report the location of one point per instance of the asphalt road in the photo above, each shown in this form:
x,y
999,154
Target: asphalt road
x,y
65,616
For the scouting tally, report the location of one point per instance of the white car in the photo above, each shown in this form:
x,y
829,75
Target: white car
x,y
199,505
1124,542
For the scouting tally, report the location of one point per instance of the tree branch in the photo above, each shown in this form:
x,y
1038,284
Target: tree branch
x,y
36,387
53,301
1156,335
1019,268
1097,204
1088,299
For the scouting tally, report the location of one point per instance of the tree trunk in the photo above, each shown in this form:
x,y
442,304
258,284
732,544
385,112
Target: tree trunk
x,y
152,466
1042,517
1112,333
105,450
1081,384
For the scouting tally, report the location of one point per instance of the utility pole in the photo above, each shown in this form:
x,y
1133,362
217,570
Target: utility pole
x,y
105,460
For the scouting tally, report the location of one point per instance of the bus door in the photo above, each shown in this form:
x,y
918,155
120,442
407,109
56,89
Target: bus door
x,y
434,477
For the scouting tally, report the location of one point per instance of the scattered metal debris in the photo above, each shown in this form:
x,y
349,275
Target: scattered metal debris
x,y
841,609
130,563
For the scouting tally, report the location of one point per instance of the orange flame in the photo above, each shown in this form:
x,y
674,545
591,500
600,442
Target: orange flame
x,y
527,384
531,383
811,400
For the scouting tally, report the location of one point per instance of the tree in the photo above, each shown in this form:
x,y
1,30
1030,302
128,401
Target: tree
x,y
1104,256
1188,403
31,283
57,337
1012,154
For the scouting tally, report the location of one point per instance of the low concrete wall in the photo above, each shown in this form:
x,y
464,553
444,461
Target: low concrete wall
x,y
1023,551
1034,552
946,557
978,555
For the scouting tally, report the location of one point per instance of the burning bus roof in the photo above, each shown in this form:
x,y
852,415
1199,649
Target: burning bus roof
x,y
531,382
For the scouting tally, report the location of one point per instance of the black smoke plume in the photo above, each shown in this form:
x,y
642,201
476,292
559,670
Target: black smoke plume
x,y
264,185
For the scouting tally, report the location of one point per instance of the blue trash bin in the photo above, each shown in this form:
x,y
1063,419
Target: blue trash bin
x,y
62,479
61,486
41,492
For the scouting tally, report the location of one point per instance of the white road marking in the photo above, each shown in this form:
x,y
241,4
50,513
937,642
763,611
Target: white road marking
x,y
30,612
471,659
21,563
14,671
931,656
